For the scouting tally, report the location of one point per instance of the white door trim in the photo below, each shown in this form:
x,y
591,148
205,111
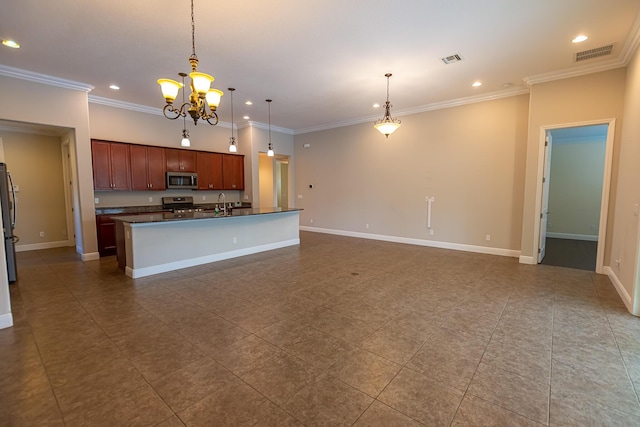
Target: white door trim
x,y
606,185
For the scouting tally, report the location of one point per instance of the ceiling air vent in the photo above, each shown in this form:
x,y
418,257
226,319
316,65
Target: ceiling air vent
x,y
451,59
594,53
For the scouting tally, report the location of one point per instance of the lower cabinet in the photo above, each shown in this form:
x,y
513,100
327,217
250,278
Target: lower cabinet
x,y
106,228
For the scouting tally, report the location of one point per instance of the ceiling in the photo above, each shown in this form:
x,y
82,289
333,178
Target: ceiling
x,y
322,62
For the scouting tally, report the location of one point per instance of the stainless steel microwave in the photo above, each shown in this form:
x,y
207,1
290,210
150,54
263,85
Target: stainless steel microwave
x,y
184,180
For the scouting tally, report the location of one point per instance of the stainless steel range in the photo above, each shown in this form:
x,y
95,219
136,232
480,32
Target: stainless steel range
x,y
180,205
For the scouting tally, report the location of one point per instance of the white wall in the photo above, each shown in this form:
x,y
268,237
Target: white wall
x,y
575,188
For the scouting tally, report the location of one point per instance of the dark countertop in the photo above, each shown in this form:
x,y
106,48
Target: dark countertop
x,y
158,208
189,216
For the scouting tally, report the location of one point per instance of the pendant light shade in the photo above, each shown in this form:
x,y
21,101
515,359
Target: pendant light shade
x,y
185,139
387,125
233,147
270,152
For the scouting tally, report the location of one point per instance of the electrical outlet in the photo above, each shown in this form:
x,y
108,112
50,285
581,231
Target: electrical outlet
x,y
96,200
618,264
431,232
150,198
235,240
311,220
488,237
204,197
42,234
366,226
299,196
246,197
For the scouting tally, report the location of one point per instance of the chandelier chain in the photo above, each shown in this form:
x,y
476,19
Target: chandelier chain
x,y
193,32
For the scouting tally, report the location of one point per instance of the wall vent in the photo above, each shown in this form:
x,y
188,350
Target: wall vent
x,y
594,53
451,59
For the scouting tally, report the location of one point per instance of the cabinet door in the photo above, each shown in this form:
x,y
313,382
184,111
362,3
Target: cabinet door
x,y
216,171
156,168
139,180
172,156
203,166
100,156
188,160
233,172
120,167
106,235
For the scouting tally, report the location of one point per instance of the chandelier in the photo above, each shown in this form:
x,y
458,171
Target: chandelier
x,y
387,125
203,100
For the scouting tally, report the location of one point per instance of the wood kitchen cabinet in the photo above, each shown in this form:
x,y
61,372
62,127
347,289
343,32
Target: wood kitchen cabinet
x,y
232,172
209,168
180,160
106,228
111,165
147,168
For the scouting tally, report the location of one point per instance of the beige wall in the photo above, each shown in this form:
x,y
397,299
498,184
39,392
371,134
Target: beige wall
x,y
265,178
587,98
575,187
470,158
625,238
64,108
35,163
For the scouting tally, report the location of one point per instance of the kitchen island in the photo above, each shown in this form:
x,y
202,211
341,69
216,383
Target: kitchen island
x,y
161,242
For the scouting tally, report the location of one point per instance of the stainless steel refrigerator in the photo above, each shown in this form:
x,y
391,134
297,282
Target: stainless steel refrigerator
x,y
8,205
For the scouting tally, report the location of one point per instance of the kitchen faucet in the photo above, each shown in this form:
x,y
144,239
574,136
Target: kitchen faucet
x,y
224,205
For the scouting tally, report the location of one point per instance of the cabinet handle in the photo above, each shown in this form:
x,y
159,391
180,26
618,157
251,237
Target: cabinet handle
x,y
150,185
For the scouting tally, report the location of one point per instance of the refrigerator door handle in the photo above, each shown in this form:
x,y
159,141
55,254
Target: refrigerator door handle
x,y
15,205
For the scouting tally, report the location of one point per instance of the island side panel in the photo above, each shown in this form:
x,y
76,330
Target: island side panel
x,y
166,246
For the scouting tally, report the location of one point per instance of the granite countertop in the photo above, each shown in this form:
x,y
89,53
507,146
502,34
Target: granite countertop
x,y
158,209
187,216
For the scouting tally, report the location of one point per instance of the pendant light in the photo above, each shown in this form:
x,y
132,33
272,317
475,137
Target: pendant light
x,y
270,150
203,100
387,125
185,133
233,148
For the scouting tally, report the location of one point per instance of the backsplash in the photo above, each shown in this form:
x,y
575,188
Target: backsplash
x,y
108,199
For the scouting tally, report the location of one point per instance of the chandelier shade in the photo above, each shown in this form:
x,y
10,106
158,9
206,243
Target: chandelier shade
x,y
387,125
203,100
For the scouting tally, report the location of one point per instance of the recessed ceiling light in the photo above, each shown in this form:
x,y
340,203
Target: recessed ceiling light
x,y
579,39
476,84
11,43
246,117
248,103
376,105
114,87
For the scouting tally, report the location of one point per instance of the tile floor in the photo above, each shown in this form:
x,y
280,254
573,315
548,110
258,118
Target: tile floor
x,y
338,331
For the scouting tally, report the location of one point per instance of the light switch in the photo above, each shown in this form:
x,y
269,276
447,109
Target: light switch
x,y
635,209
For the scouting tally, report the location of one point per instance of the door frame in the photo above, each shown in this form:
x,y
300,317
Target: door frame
x,y
606,185
68,191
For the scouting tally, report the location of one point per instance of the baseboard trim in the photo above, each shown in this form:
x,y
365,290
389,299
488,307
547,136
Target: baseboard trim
x,y
626,298
91,256
136,273
6,321
417,242
569,236
39,246
528,260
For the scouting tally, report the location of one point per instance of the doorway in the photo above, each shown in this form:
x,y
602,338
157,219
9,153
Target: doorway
x,y
273,180
574,185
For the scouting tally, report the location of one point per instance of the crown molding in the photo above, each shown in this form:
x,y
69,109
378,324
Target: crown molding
x,y
34,130
574,72
125,105
18,73
278,129
424,108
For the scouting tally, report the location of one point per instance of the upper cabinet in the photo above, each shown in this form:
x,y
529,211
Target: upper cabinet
x,y
209,168
180,160
233,172
123,166
147,168
111,165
